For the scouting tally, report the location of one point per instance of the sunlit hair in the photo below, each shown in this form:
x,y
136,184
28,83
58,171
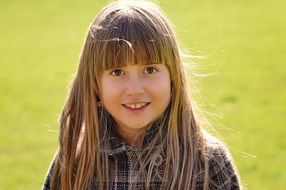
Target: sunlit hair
x,y
127,32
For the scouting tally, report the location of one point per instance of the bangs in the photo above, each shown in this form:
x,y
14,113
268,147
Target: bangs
x,y
126,37
124,52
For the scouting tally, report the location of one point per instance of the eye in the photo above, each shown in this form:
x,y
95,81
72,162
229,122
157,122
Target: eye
x,y
150,70
117,72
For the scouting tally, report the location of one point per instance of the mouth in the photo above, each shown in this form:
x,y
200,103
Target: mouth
x,y
136,106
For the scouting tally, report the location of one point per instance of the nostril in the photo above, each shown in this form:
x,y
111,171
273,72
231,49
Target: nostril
x,y
134,89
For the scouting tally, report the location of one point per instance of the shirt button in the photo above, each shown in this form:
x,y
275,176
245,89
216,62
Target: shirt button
x,y
159,160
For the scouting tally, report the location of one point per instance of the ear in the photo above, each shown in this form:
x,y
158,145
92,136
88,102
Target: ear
x,y
99,102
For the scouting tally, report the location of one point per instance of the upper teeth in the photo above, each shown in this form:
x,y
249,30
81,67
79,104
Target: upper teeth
x,y
133,106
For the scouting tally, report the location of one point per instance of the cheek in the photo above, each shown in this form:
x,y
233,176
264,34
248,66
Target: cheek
x,y
162,89
166,83
108,91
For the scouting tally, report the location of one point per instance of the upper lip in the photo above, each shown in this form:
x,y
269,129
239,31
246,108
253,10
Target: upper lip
x,y
135,103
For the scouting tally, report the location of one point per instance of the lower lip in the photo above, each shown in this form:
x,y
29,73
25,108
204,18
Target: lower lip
x,y
136,109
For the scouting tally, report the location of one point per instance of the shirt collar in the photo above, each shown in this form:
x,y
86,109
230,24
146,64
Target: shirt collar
x,y
117,145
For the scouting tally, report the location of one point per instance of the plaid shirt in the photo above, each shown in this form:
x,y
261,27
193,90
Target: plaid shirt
x,y
124,161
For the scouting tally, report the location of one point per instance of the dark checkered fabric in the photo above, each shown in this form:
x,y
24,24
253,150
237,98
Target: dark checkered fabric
x,y
124,162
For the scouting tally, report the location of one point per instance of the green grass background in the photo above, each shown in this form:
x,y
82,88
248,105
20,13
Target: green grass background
x,y
245,45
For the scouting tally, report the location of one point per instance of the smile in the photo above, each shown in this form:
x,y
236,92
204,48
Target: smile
x,y
136,106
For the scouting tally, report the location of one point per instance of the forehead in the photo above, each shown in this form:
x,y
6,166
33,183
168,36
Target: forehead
x,y
122,53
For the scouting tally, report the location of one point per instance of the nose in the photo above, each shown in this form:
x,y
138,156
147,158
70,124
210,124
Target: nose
x,y
134,86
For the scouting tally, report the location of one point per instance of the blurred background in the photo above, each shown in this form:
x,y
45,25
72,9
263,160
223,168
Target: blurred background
x,y
244,45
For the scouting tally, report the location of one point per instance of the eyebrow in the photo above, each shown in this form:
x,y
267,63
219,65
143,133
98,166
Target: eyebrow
x,y
124,65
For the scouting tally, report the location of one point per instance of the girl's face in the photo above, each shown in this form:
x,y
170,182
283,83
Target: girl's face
x,y
135,95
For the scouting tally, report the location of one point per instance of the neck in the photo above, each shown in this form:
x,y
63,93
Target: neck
x,y
131,136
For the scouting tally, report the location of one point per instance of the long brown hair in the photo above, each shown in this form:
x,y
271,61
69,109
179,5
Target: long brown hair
x,y
127,32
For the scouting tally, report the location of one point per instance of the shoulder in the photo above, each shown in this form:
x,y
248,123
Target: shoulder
x,y
221,168
47,183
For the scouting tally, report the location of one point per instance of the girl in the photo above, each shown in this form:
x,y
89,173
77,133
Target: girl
x,y
128,122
